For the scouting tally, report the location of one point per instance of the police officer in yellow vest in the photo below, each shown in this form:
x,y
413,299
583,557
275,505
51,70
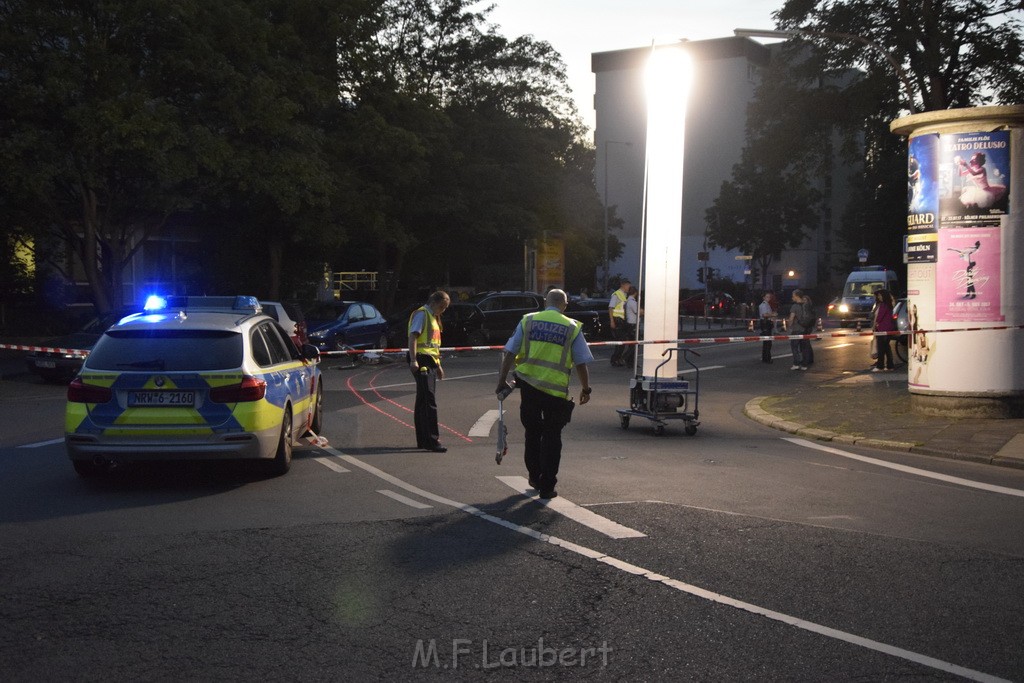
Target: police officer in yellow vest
x,y
617,320
425,363
544,348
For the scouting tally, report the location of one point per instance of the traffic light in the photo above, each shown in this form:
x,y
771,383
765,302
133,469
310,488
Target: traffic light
x,y
700,274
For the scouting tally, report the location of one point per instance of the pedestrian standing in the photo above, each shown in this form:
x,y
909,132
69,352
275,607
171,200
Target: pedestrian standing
x,y
767,312
617,319
801,322
883,322
632,323
543,349
425,364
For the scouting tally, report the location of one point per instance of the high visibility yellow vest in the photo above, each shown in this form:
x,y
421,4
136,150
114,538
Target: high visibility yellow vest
x,y
544,360
619,310
429,340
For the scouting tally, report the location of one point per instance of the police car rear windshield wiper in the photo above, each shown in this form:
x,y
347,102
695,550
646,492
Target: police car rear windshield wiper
x,y
155,364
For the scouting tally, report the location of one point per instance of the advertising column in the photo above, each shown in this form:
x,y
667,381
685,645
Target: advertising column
x,y
965,260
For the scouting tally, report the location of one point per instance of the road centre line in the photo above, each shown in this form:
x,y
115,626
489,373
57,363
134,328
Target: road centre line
x,y
909,470
680,586
574,511
405,499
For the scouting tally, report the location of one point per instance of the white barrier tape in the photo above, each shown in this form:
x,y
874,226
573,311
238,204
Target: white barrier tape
x,y
46,349
690,340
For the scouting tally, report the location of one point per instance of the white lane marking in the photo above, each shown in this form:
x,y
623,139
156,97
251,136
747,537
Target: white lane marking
x,y
704,368
412,384
40,444
331,465
482,427
909,470
839,346
405,499
689,589
574,511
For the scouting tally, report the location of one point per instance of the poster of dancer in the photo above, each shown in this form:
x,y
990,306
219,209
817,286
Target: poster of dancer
x,y
922,199
974,178
967,277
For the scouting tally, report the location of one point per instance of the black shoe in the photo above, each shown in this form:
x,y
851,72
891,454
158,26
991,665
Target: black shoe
x,y
533,483
549,494
436,449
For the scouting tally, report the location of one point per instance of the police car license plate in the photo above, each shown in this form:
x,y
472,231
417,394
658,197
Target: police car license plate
x,y
170,398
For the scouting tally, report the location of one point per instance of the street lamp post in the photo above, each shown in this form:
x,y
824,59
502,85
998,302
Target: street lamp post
x,y
604,282
908,88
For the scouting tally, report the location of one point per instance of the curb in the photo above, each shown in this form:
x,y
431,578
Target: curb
x,y
755,412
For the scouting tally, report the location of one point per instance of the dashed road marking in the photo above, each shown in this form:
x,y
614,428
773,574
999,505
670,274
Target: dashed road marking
x,y
405,499
482,427
574,511
680,586
331,465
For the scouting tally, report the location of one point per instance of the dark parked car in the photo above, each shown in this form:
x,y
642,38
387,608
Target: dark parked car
x,y
54,366
336,325
490,318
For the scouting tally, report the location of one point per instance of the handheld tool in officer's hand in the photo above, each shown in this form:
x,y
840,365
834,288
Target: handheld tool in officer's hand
x,y
502,448
502,434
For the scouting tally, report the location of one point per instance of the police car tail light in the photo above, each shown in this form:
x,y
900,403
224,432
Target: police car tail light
x,y
80,392
250,389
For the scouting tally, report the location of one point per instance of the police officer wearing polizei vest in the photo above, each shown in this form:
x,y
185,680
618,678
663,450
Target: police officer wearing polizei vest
x,y
425,363
544,348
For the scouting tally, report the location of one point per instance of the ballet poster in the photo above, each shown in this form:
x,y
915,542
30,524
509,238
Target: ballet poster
x,y
967,275
974,178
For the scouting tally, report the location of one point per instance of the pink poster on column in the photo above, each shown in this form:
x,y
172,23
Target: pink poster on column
x,y
967,275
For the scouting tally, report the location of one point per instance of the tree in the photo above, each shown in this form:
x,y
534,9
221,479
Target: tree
x,y
771,200
951,53
122,114
472,143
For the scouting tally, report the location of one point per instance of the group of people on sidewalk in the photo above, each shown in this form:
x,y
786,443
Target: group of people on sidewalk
x,y
802,321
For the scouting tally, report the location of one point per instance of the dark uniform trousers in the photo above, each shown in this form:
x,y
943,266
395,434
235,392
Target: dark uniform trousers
x,y
620,333
543,417
425,411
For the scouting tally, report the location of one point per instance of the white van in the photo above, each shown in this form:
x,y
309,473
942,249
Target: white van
x,y
858,297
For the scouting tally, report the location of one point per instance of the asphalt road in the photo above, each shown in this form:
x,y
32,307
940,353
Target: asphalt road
x,y
734,554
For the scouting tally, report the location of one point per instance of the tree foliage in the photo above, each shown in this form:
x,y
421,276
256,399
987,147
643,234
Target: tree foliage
x,y
949,53
396,135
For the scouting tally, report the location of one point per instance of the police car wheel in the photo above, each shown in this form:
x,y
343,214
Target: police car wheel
x,y
283,458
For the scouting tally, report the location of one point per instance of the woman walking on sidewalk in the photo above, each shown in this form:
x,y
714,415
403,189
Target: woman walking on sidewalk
x,y
883,322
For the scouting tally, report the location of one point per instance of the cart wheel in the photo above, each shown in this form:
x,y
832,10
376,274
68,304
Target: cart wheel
x,y
659,430
624,421
691,429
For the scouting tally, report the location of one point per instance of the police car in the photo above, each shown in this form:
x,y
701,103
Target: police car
x,y
193,378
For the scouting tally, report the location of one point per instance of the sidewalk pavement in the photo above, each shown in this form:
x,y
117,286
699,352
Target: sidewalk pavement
x,y
867,409
873,409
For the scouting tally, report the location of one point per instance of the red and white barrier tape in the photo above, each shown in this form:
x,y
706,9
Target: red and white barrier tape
x,y
689,340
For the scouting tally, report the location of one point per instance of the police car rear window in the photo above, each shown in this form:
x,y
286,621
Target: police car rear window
x,y
166,350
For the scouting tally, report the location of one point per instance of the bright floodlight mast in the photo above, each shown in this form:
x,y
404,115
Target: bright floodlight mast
x,y
908,88
668,78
